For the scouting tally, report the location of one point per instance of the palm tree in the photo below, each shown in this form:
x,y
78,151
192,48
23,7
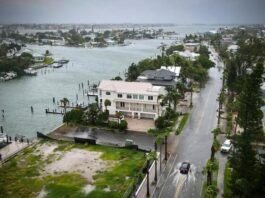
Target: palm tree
x,y
107,103
181,88
172,96
65,102
159,97
158,141
165,134
150,157
119,115
167,99
191,92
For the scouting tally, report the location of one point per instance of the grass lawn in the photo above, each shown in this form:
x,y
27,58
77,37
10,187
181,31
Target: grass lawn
x,y
23,175
48,60
182,123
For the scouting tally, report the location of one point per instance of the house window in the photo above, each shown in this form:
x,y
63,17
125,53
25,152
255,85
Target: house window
x,y
129,96
141,97
122,104
108,93
119,95
100,92
153,107
135,96
150,97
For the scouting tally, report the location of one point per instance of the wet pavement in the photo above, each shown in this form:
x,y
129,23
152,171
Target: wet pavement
x,y
194,144
12,149
142,140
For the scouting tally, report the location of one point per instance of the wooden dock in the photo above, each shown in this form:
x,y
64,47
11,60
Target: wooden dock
x,y
47,111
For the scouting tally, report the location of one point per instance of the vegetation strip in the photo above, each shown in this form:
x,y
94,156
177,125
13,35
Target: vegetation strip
x,y
182,123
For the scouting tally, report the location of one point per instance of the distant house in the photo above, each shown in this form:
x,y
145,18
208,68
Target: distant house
x,y
159,77
38,57
192,46
226,41
187,55
133,99
111,42
232,48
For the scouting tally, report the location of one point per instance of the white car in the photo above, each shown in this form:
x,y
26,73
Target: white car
x,y
226,146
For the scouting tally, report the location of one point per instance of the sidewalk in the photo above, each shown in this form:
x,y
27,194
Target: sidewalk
x,y
222,157
12,149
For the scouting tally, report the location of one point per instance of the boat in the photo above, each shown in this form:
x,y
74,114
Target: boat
x,y
30,72
56,65
62,61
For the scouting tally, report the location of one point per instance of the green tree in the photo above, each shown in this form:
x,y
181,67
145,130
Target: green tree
x,y
107,103
92,114
243,160
74,116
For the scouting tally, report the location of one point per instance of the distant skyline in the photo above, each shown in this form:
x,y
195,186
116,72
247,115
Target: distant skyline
x,y
133,11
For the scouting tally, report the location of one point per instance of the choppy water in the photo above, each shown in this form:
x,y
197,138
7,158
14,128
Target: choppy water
x,y
17,96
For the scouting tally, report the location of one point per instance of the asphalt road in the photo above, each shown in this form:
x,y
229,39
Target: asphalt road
x,y
194,144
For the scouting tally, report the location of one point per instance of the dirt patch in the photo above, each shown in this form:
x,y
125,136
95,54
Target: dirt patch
x,y
88,188
46,149
42,193
86,163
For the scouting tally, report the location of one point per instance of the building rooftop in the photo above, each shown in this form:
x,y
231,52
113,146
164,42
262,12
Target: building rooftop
x,y
160,74
129,87
175,69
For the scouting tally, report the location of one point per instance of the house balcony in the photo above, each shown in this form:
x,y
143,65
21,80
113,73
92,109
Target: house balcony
x,y
122,108
150,110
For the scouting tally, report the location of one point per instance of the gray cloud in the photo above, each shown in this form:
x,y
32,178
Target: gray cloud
x,y
132,11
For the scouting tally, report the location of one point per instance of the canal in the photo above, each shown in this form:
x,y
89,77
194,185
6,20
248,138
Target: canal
x,y
17,96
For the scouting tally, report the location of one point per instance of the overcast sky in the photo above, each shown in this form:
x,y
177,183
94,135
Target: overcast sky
x,y
133,11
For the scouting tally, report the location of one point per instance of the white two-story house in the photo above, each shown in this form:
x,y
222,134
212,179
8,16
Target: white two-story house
x,y
133,99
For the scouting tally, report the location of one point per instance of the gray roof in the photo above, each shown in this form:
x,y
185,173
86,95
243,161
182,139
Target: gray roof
x,y
159,82
161,75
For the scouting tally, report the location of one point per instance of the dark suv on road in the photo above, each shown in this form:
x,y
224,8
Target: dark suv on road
x,y
184,168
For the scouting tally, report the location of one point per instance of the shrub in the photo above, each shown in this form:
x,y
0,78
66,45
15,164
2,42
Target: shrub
x,y
103,118
123,125
73,116
113,125
161,122
170,114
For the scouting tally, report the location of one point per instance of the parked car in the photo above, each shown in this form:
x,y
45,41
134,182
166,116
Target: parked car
x,y
226,146
184,168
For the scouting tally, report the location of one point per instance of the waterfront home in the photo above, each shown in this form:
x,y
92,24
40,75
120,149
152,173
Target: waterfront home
x,y
111,42
133,99
38,58
187,55
159,77
192,46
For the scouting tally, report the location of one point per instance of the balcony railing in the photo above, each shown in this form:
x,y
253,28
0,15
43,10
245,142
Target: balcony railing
x,y
122,108
149,110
